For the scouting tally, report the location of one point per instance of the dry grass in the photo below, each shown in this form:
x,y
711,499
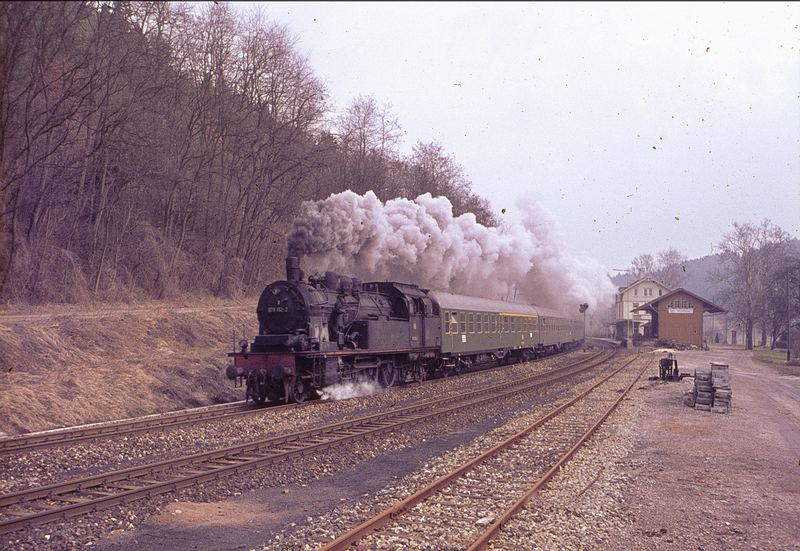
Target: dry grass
x,y
68,366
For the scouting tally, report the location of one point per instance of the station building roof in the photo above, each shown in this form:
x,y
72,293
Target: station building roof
x,y
708,306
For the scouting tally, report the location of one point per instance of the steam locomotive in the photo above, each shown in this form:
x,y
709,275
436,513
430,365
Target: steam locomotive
x,y
332,329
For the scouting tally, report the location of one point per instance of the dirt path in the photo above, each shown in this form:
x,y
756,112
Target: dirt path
x,y
712,481
7,318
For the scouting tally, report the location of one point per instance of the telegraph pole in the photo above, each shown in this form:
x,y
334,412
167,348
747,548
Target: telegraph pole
x,y
788,320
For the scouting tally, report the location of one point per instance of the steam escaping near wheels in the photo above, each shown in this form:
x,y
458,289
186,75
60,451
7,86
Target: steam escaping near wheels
x,y
344,391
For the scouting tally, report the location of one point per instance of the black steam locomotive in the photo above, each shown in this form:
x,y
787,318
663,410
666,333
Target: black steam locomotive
x,y
333,329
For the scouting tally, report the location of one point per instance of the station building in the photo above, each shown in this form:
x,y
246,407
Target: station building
x,y
678,315
628,320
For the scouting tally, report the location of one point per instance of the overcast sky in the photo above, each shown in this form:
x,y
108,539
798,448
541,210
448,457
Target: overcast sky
x,y
639,126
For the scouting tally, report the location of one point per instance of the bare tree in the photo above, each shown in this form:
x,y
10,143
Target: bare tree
x,y
671,267
642,265
749,255
782,298
369,134
433,171
153,148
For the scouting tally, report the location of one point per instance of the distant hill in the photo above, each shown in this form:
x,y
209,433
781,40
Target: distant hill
x,y
698,274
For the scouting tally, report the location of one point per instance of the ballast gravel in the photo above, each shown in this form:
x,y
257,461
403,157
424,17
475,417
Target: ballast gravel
x,y
85,531
23,470
325,528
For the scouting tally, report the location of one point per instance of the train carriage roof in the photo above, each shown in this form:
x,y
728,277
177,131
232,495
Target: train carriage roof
x,y
450,301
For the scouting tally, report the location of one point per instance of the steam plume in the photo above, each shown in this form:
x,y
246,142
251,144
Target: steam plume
x,y
344,391
421,242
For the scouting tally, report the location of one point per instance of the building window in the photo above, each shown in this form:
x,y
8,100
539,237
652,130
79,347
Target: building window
x,y
636,292
680,303
635,304
659,292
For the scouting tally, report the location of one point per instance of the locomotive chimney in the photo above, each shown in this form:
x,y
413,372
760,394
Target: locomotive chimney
x,y
292,269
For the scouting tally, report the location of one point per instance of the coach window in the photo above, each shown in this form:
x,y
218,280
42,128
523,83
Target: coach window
x,y
470,322
478,324
447,322
453,322
462,322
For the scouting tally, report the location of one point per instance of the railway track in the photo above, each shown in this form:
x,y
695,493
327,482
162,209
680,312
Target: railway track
x,y
76,497
467,507
149,423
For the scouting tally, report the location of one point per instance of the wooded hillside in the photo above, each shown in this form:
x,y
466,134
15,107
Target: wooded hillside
x,y
154,149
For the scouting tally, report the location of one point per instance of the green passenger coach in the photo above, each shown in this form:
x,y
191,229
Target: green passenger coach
x,y
474,327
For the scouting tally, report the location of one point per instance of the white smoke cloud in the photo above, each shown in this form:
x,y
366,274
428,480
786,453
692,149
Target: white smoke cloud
x,y
344,391
421,242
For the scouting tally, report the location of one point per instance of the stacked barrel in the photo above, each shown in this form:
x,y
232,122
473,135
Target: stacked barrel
x,y
721,381
711,390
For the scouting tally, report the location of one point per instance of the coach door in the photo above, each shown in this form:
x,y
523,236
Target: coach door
x,y
417,318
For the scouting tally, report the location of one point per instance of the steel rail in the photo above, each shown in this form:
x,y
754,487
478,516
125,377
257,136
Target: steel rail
x,y
153,422
101,491
147,423
388,515
482,541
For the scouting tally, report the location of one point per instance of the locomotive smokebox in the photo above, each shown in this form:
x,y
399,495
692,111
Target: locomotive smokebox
x,y
292,269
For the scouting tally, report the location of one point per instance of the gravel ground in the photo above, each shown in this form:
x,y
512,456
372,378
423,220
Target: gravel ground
x,y
41,467
658,475
86,531
455,517
320,529
712,481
